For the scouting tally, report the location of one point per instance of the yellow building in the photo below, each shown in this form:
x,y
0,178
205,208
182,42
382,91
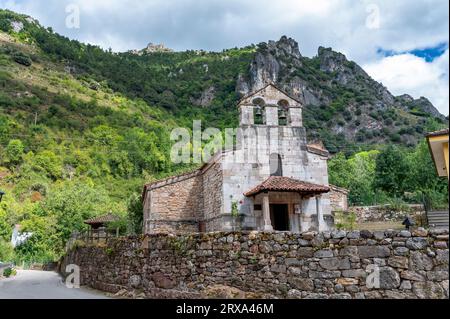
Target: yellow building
x,y
438,143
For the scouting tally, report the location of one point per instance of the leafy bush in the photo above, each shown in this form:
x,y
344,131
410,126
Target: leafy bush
x,y
5,25
398,205
345,220
22,58
135,217
395,137
6,251
8,272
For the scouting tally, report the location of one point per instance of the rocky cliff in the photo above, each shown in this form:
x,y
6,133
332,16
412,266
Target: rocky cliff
x,y
337,91
343,106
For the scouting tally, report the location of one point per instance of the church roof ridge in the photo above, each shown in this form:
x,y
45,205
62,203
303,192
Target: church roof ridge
x,y
266,86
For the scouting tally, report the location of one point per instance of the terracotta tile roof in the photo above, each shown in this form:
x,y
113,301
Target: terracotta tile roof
x,y
102,219
438,133
286,184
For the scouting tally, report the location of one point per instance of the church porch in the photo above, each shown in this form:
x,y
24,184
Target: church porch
x,y
285,204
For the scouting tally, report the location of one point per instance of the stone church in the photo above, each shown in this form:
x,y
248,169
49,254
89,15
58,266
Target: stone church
x,y
271,180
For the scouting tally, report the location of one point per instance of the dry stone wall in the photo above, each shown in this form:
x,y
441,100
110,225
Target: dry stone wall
x,y
386,213
271,265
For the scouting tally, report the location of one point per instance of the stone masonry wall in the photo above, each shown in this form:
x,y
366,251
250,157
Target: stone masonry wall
x,y
338,199
212,203
385,213
175,207
270,265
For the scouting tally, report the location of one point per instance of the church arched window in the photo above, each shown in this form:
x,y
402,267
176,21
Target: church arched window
x,y
282,117
258,111
283,103
283,107
259,117
276,165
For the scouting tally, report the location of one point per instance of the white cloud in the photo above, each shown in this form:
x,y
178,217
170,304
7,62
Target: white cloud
x,y
406,73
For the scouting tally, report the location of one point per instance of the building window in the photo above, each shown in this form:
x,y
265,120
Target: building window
x,y
282,117
259,109
276,165
259,118
283,107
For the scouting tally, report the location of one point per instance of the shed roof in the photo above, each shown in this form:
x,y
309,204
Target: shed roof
x,y
102,219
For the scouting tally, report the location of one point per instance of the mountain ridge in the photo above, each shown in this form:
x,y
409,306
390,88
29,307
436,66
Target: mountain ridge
x,y
343,105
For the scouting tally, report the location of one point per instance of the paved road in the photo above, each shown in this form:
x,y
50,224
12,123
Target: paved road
x,y
32,284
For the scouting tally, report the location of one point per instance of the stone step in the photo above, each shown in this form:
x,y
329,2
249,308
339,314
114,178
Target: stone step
x,y
439,224
444,220
438,214
438,218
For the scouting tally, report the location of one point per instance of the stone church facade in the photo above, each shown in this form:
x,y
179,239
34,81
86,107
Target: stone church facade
x,y
271,180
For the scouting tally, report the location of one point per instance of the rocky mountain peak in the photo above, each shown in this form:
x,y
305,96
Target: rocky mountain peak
x,y
270,62
152,48
330,60
288,45
405,98
336,89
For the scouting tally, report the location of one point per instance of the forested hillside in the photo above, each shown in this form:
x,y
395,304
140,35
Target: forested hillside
x,y
82,129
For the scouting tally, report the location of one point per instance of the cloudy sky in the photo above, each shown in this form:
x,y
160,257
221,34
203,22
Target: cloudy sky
x,y
401,43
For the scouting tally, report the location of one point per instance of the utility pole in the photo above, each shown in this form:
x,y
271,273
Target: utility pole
x,y
35,118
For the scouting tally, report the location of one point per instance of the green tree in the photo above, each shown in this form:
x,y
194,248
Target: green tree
x,y
356,174
6,251
422,179
4,127
135,213
49,163
5,227
391,171
120,164
71,204
362,178
340,171
103,135
143,151
44,245
14,152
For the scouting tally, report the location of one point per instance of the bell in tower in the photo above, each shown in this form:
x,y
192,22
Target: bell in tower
x,y
282,117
